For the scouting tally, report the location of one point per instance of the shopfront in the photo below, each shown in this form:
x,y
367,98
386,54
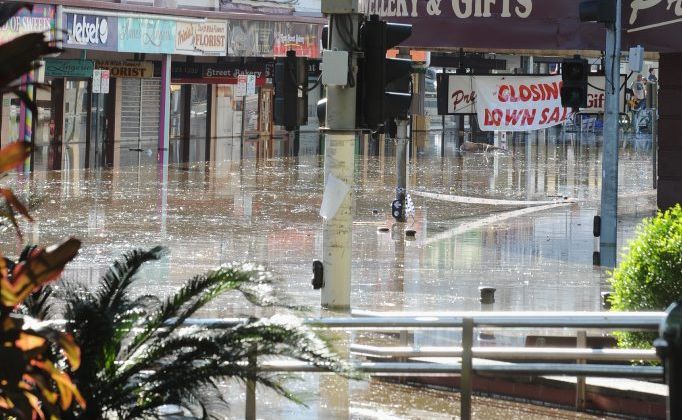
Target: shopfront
x,y
16,122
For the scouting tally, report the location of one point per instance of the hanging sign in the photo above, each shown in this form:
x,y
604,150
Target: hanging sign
x,y
55,67
146,35
518,103
90,31
209,38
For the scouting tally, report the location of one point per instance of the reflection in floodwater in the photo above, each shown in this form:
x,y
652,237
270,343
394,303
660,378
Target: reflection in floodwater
x,y
259,201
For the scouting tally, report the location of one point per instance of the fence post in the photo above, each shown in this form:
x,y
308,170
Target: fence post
x,y
465,378
580,380
250,413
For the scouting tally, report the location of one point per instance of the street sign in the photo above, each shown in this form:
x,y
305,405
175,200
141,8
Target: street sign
x,y
96,81
251,84
104,81
240,90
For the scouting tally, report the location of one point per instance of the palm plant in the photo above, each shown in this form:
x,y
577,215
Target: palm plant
x,y
137,356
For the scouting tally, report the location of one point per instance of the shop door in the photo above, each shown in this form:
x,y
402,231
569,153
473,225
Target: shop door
x,y
101,146
140,111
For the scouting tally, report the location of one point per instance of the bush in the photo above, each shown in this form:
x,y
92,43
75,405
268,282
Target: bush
x,y
649,278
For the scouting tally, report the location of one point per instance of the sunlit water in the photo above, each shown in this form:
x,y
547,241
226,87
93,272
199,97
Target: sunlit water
x,y
264,208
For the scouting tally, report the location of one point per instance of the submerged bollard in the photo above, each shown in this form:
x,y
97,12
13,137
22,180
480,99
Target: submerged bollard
x,y
606,300
487,294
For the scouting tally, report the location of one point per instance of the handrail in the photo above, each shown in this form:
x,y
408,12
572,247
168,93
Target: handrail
x,y
509,353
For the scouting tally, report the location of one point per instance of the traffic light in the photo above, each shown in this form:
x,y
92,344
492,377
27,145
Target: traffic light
x,y
384,84
574,72
603,11
291,91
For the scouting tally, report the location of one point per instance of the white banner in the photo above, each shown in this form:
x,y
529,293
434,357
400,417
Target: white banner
x,y
518,103
462,96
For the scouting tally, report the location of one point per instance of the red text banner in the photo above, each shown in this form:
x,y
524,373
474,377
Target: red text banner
x,y
518,103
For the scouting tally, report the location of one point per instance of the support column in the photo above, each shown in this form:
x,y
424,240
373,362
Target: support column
x,y
401,158
669,191
164,112
609,186
339,163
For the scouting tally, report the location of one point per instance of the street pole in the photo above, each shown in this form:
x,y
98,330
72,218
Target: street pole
x,y
339,155
609,184
401,158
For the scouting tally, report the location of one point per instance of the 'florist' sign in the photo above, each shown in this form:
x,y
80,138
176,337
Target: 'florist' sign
x,y
209,38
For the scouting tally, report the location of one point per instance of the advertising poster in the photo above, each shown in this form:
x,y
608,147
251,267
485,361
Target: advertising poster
x,y
253,38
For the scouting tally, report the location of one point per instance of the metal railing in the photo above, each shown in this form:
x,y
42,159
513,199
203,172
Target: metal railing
x,y
467,321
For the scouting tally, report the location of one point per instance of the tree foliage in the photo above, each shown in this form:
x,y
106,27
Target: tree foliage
x,y
650,275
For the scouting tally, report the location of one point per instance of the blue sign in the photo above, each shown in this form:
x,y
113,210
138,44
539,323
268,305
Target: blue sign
x,y
90,31
146,35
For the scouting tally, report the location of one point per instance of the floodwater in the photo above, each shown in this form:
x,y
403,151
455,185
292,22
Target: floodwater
x,y
260,203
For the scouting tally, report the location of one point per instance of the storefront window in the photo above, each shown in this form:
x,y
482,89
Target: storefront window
x,y
11,114
75,111
197,116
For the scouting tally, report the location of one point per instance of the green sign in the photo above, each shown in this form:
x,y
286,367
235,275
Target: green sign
x,y
55,67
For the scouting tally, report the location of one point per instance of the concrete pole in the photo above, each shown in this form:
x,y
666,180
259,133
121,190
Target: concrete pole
x,y
164,114
609,185
339,161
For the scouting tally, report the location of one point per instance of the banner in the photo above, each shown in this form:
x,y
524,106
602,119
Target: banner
x,y
456,93
208,38
518,103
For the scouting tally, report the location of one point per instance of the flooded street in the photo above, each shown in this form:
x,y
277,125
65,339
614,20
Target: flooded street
x,y
264,208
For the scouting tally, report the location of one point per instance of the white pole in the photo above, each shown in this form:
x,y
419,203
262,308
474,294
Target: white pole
x,y
609,187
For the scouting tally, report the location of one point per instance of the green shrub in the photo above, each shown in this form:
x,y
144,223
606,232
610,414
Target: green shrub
x,y
649,278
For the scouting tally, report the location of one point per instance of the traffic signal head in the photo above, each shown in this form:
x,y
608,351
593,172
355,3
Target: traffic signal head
x,y
384,84
291,91
603,11
574,72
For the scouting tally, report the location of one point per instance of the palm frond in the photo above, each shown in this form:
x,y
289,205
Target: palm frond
x,y
118,278
8,10
39,304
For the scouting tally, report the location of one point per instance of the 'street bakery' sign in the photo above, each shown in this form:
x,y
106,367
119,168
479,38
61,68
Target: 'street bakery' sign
x,y
208,38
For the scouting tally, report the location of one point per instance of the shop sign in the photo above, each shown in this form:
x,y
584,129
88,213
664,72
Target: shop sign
x,y
146,35
256,38
100,81
219,73
41,19
209,38
133,69
90,31
55,67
